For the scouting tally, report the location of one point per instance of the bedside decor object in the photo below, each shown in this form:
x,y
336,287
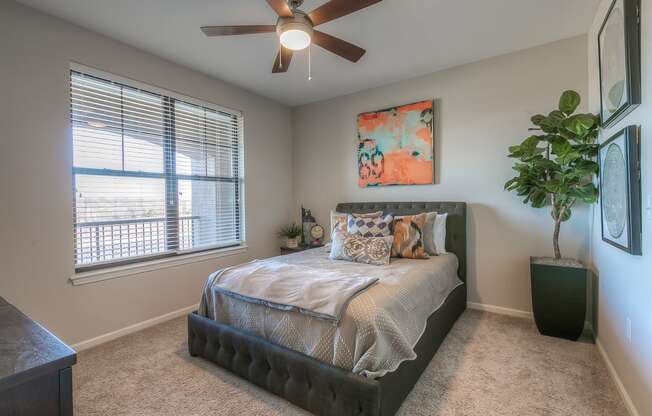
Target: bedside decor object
x,y
291,233
307,222
620,61
395,146
556,169
620,187
317,234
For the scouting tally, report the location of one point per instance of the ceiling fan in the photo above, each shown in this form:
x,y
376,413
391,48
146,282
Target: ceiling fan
x,y
295,29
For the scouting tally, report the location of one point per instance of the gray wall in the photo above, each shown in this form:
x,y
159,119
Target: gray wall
x,y
625,282
481,109
35,176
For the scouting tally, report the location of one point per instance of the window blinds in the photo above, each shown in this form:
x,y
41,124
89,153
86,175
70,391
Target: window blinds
x,y
154,175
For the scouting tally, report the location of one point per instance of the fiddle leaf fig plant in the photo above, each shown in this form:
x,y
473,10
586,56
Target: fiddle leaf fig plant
x,y
556,167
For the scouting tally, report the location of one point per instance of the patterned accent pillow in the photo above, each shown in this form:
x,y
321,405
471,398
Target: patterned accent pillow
x,y
408,236
369,250
370,226
339,219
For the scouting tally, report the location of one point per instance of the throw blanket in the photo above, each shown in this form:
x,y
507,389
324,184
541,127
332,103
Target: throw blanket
x,y
323,294
378,329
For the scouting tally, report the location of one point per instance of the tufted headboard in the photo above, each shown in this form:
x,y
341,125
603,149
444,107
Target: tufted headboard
x,y
455,225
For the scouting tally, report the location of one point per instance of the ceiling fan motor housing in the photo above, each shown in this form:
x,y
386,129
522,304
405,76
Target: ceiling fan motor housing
x,y
300,21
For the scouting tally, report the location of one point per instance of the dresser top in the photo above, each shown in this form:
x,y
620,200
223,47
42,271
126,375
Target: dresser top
x,y
28,350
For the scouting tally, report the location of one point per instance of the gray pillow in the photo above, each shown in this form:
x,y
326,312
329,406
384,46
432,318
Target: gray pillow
x,y
429,234
368,250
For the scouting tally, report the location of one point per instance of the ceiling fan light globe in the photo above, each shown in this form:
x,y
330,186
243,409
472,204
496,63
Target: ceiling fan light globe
x,y
295,39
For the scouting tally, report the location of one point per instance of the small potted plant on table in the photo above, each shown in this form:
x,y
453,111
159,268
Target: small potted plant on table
x,y
291,233
556,168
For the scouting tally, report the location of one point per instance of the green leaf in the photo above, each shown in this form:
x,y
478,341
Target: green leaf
x,y
570,157
569,102
556,118
566,215
579,123
552,186
536,119
586,167
548,125
538,199
530,143
587,193
561,146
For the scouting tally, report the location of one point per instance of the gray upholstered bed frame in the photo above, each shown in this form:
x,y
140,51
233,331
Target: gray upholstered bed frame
x,y
321,388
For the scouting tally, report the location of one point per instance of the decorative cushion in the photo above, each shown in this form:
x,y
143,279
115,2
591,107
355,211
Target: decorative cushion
x,y
370,226
408,237
339,219
429,233
369,250
439,233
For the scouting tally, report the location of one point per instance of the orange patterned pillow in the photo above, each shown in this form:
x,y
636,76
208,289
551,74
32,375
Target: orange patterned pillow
x,y
408,236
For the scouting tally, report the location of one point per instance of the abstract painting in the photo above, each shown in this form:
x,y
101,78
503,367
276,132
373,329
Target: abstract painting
x,y
620,191
395,146
619,56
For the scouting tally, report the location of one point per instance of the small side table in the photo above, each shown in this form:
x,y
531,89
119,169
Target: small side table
x,y
288,250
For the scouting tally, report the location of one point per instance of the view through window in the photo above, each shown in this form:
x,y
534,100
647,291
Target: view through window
x,y
154,175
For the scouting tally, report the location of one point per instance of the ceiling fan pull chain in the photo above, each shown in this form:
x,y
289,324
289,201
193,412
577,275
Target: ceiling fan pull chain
x,y
309,62
280,54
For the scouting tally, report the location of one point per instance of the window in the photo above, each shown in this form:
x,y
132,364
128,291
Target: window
x,y
154,174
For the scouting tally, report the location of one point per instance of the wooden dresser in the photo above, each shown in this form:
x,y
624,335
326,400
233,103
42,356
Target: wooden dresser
x,y
35,368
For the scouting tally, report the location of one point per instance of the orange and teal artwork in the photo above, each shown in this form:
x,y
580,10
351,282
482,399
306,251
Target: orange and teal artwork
x,y
395,146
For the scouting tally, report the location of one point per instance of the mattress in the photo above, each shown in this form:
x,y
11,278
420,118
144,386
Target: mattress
x,y
380,326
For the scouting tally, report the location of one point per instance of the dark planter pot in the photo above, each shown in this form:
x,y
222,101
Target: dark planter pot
x,y
559,299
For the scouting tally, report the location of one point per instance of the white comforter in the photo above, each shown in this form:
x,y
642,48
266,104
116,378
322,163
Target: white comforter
x,y
377,331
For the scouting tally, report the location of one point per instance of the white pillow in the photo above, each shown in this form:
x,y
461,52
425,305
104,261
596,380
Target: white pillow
x,y
429,233
439,233
338,220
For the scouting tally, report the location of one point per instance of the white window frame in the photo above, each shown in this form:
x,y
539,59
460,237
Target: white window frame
x,y
133,265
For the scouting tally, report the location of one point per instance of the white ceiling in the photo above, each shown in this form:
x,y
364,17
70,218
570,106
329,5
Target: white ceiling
x,y
403,38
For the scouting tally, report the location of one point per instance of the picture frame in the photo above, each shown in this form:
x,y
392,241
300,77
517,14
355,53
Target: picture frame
x,y
620,190
619,61
395,146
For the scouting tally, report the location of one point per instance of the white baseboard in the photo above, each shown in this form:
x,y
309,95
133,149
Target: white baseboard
x,y
629,404
93,342
500,310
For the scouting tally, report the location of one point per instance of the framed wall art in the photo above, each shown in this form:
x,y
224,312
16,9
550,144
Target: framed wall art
x,y
619,53
395,146
620,190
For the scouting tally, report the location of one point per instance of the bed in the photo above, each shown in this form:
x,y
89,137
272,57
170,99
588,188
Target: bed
x,y
330,388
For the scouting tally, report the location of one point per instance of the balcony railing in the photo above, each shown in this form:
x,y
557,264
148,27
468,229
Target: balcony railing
x,y
111,240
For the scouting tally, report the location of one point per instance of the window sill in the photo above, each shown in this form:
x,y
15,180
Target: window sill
x,y
148,266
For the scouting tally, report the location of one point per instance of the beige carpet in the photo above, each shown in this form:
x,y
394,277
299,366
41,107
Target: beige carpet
x,y
488,365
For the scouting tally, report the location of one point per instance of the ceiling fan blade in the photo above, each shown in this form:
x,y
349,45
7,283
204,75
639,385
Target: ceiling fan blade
x,y
281,8
282,63
338,8
338,46
237,30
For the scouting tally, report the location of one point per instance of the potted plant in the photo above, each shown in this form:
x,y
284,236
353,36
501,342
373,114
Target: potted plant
x,y
555,169
291,233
